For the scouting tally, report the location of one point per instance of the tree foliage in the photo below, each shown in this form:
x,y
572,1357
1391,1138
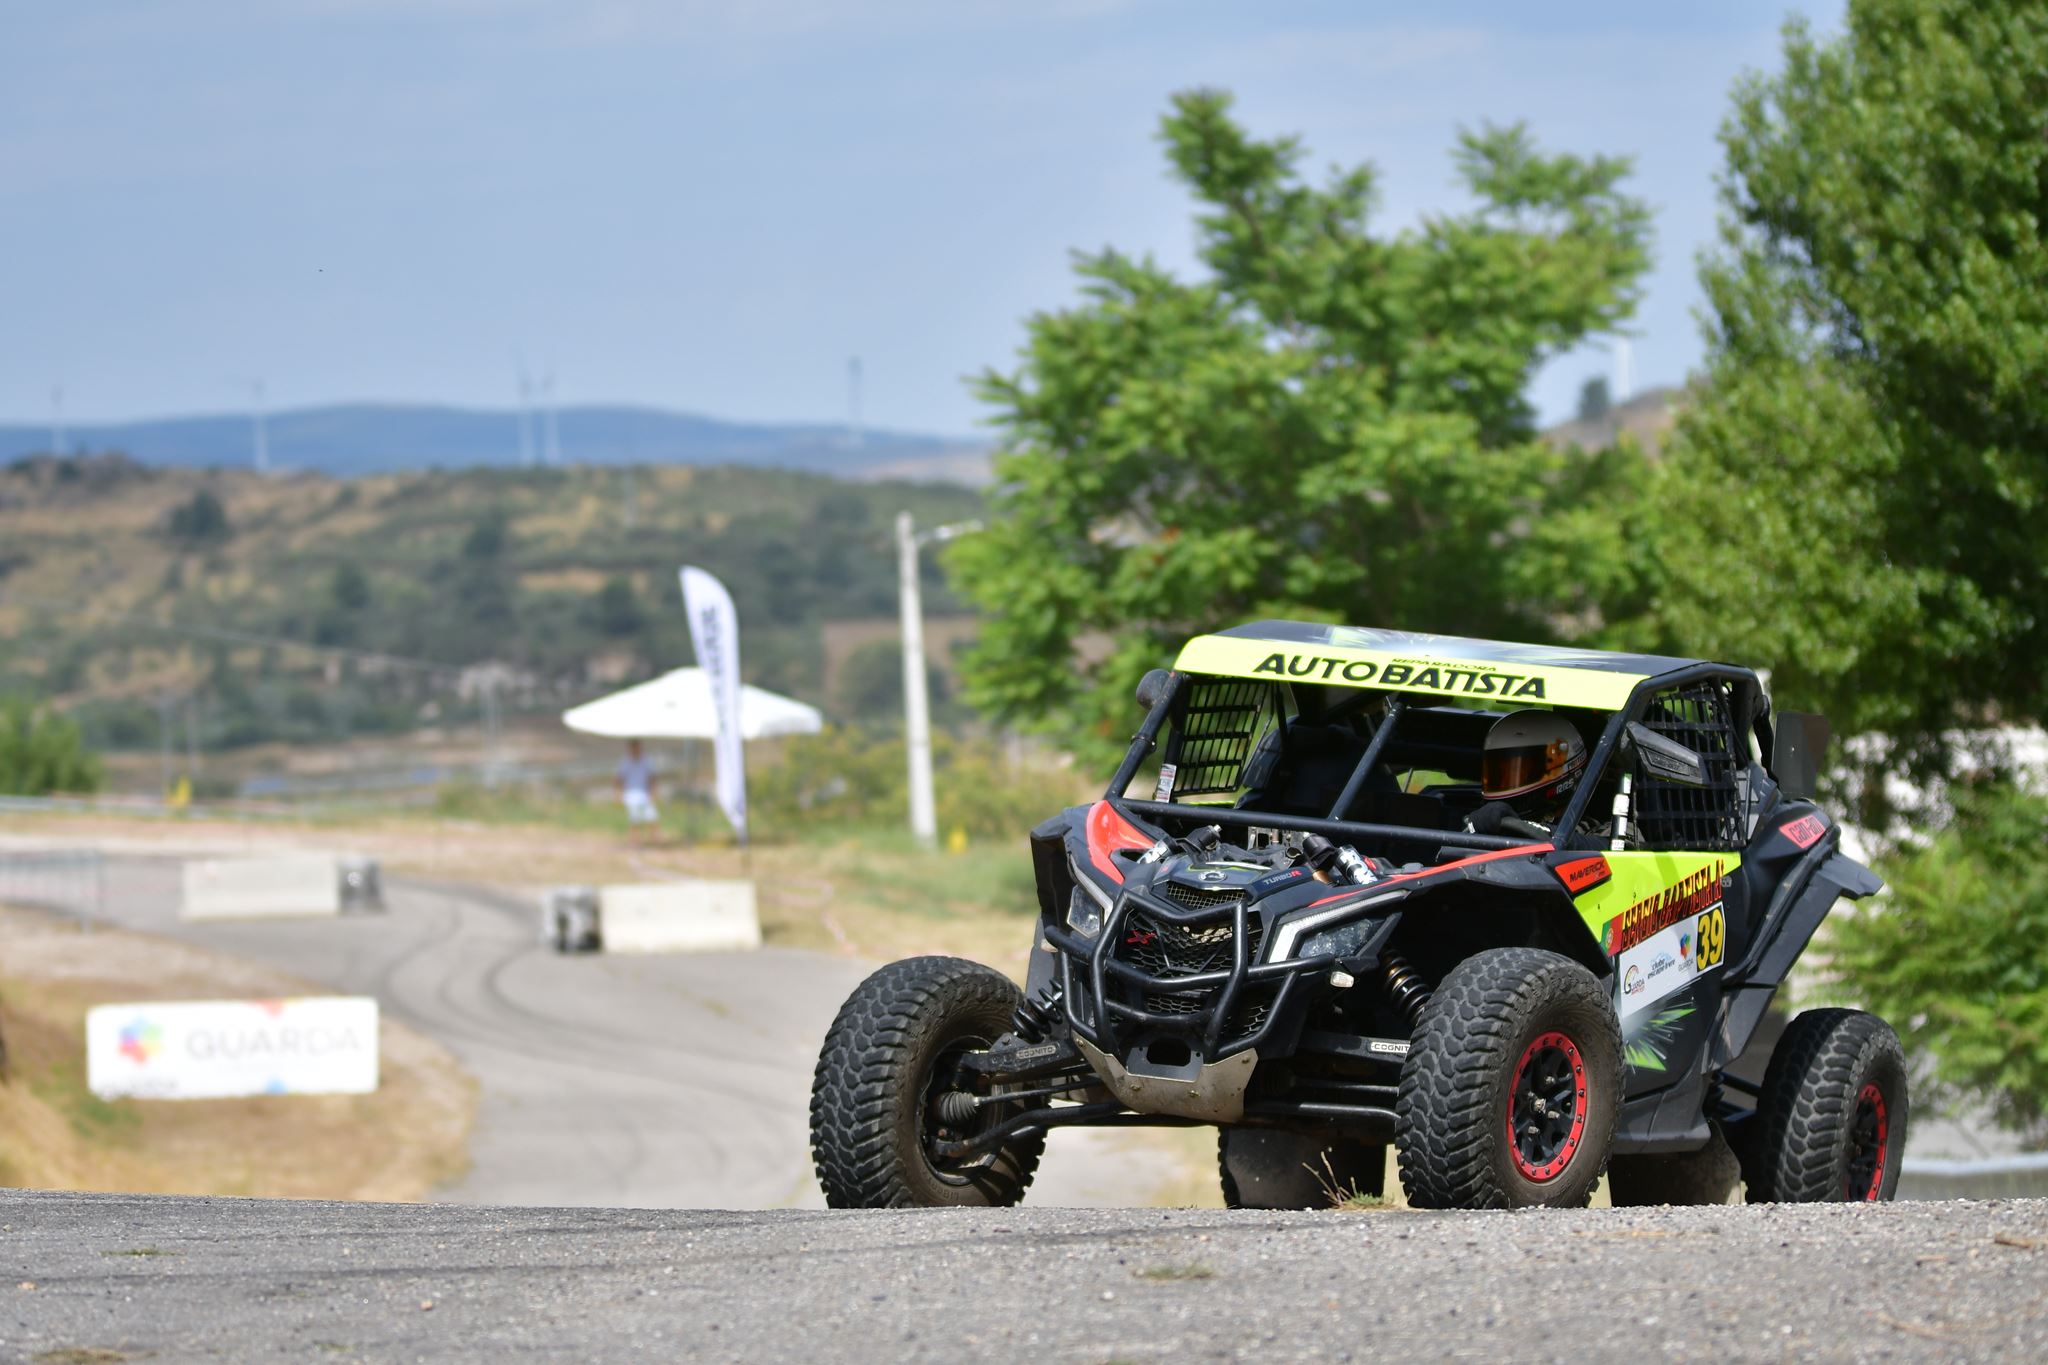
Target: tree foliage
x,y
41,752
1956,957
1857,502
1331,423
199,520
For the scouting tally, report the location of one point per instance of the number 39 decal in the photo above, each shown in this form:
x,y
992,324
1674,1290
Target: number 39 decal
x,y
1712,931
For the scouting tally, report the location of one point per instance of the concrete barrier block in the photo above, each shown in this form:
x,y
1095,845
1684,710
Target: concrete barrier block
x,y
679,917
273,886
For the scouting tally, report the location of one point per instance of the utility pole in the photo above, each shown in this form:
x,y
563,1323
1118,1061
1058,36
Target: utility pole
x,y
917,709
57,420
164,704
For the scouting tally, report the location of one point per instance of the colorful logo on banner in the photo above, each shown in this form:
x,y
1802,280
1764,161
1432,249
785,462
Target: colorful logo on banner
x,y
140,1041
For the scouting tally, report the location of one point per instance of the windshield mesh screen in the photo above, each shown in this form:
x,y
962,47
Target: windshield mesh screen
x,y
1705,818
1215,736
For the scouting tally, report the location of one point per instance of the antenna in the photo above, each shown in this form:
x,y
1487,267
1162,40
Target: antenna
x,y
259,427
853,436
57,420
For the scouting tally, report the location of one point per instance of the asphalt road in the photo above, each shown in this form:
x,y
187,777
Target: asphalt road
x,y
218,1279
656,1081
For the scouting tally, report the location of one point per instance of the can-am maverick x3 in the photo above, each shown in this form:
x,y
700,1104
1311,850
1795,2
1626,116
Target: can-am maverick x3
x,y
1516,910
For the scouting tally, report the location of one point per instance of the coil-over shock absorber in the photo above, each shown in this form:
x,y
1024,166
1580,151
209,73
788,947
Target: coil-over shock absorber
x,y
1033,1019
1405,986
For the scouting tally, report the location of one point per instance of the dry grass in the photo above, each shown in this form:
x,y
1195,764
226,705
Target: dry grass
x,y
396,1144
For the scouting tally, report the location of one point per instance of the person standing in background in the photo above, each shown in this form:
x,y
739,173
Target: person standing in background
x,y
635,785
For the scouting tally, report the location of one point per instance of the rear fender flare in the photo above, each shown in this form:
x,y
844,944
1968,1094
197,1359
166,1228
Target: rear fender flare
x,y
1823,877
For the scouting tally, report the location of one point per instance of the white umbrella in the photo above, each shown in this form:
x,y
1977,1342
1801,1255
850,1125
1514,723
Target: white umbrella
x,y
677,705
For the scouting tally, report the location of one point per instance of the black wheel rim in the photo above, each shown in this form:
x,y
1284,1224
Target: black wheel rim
x,y
1869,1134
946,1076
1547,1101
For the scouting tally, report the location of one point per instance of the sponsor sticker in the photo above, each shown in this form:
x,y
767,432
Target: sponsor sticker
x,y
1163,789
1669,960
1675,904
1805,831
1390,1047
1583,874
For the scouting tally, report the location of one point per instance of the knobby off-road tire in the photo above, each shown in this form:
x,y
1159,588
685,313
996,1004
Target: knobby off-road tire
x,y
1265,1168
886,1058
1507,1028
1707,1176
1830,1125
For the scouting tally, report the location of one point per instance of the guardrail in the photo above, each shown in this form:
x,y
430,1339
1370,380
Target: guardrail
x,y
2004,1177
73,881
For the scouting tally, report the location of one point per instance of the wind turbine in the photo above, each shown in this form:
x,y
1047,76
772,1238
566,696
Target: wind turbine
x,y
259,424
525,415
551,434
853,436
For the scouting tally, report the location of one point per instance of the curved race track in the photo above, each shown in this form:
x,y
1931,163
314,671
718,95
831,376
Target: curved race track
x,y
660,1081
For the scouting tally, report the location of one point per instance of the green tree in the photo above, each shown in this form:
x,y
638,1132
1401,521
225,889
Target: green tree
x,y
200,520
1857,501
618,609
1595,399
1331,423
488,536
41,752
348,589
1956,957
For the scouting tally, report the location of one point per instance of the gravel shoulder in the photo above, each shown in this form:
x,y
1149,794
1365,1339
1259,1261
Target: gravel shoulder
x,y
177,1278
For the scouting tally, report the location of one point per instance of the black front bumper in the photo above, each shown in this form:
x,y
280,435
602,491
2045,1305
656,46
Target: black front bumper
x,y
1126,993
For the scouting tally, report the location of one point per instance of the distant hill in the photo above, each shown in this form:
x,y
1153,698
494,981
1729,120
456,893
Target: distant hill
x,y
304,609
352,440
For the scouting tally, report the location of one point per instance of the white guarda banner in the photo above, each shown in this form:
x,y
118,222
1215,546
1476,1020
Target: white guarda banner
x,y
223,1049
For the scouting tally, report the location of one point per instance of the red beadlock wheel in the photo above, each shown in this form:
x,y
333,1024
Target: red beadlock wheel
x,y
1868,1131
1547,1103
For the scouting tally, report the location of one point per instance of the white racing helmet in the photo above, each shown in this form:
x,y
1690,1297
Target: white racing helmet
x,y
1531,753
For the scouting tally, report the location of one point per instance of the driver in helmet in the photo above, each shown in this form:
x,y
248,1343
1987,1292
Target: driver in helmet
x,y
1527,769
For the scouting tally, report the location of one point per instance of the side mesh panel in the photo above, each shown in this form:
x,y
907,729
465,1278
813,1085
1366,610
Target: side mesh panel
x,y
1709,818
1217,731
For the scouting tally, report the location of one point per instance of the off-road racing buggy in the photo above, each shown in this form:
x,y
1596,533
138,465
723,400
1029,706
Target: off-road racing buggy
x,y
1320,934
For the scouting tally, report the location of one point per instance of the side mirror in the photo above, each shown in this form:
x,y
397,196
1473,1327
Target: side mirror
x,y
1666,760
1155,687
1799,744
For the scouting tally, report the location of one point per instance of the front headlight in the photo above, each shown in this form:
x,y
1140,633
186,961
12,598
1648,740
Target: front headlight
x,y
1084,916
1342,941
1328,931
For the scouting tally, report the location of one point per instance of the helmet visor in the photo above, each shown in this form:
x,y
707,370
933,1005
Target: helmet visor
x,y
1505,772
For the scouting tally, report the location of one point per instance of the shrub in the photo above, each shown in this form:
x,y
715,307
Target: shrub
x,y
1956,956
849,776
42,752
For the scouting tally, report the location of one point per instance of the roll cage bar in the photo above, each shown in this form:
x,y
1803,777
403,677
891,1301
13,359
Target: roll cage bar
x,y
1752,718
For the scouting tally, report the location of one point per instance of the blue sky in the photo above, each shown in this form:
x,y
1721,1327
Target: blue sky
x,y
712,206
